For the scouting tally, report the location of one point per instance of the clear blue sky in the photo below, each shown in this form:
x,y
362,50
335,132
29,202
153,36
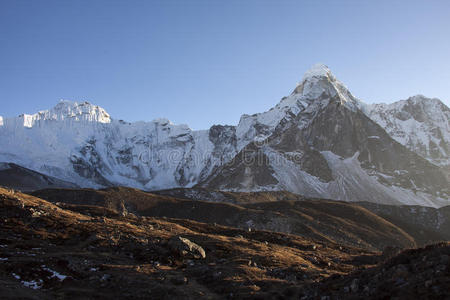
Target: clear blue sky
x,y
207,62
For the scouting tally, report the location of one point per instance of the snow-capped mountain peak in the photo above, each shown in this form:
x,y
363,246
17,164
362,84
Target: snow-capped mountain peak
x,y
79,111
319,82
422,124
318,88
68,111
318,70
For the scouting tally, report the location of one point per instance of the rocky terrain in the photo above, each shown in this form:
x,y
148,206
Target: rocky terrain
x,y
425,224
319,219
97,249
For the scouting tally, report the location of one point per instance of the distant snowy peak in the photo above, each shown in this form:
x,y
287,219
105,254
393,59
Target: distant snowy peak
x,y
417,107
79,111
421,124
68,111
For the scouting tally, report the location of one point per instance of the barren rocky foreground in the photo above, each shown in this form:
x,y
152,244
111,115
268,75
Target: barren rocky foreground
x,y
63,250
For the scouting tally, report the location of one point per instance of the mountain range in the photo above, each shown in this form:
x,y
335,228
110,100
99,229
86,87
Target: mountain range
x,y
320,141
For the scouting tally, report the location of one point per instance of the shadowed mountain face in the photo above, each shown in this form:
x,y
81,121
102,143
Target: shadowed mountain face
x,y
425,224
339,153
92,248
23,179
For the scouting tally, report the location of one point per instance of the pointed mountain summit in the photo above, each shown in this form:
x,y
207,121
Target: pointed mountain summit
x,y
318,88
318,70
319,82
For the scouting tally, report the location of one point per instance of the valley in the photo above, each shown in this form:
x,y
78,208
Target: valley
x,y
131,244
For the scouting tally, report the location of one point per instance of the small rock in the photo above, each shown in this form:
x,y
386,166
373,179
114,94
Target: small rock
x,y
401,271
105,277
391,251
436,289
184,247
179,280
441,268
399,282
190,263
354,286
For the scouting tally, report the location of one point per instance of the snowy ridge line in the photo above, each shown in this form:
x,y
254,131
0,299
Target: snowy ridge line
x,y
79,142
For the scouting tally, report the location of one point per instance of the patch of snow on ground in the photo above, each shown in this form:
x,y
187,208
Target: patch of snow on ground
x,y
55,274
33,284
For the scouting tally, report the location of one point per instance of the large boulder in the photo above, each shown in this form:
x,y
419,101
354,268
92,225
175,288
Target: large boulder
x,y
185,248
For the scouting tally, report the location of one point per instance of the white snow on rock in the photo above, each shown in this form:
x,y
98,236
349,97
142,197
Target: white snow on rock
x,y
315,89
55,274
32,284
70,112
319,81
318,70
351,183
419,123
